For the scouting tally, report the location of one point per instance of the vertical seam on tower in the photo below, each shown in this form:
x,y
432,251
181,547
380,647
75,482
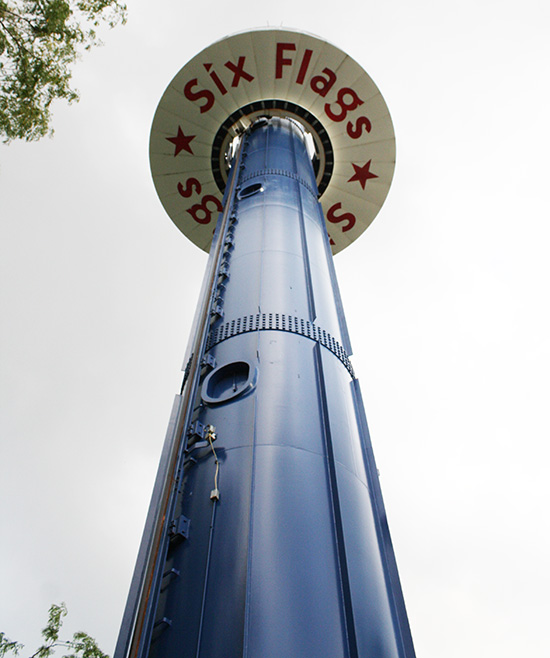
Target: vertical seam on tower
x,y
206,574
307,267
335,288
336,512
246,629
250,536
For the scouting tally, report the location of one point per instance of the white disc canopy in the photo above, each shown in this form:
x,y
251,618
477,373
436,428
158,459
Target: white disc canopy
x,y
272,72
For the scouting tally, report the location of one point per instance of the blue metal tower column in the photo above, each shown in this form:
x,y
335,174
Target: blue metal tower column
x,y
267,535
275,541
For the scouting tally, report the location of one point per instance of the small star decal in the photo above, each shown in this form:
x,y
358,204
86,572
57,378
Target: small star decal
x,y
181,142
362,174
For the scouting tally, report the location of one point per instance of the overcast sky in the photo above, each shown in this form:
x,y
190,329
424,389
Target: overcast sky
x,y
446,297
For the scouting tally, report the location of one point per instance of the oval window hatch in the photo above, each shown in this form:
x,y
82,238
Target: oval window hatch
x,y
228,381
249,190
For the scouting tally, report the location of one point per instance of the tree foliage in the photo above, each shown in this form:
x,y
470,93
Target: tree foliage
x,y
81,646
39,42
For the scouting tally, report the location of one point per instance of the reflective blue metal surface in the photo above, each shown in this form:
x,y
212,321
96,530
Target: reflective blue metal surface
x,y
275,542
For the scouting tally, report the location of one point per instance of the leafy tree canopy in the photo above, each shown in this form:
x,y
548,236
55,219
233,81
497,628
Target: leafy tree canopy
x,y
39,41
81,646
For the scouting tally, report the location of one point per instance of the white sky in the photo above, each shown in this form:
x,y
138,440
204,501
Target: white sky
x,y
445,294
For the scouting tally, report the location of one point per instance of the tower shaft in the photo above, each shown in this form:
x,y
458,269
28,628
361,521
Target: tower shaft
x,y
273,540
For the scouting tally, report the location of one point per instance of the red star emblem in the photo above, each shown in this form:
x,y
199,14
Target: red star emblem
x,y
181,142
362,174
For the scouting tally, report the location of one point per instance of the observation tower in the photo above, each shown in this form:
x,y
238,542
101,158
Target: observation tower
x,y
266,536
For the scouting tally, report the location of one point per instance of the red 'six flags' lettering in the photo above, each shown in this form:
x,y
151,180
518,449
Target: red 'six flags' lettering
x,y
345,105
323,84
281,60
347,99
205,94
344,217
238,70
206,97
187,190
219,84
201,213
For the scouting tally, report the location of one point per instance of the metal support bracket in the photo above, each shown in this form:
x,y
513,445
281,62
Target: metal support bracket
x,y
208,361
179,529
197,446
198,437
196,429
165,622
217,310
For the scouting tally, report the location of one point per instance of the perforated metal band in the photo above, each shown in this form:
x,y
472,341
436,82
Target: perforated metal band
x,y
279,322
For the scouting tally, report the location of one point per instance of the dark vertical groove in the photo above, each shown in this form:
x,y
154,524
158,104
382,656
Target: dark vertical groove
x,y
336,290
246,629
207,569
335,499
307,267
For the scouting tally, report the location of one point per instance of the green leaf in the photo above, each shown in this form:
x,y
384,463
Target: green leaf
x,y
56,614
7,646
39,43
82,645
